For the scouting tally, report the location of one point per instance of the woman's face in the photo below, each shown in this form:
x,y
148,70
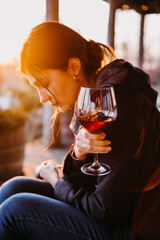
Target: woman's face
x,y
57,87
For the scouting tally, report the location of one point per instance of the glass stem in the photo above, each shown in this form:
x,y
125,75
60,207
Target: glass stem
x,y
96,164
96,158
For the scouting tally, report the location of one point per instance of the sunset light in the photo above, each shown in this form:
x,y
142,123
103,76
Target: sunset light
x,y
79,119
88,17
16,19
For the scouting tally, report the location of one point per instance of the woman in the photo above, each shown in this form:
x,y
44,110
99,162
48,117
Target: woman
x,y
58,61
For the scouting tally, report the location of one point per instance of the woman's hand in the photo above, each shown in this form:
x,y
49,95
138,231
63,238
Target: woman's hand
x,y
49,172
86,142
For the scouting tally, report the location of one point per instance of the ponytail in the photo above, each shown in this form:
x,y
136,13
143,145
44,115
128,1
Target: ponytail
x,y
97,55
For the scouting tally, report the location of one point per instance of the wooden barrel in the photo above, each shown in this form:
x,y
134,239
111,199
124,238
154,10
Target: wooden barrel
x,y
12,143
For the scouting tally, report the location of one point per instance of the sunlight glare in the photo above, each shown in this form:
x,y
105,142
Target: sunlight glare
x,y
88,17
16,24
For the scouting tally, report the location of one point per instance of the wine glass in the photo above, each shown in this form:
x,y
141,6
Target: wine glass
x,y
96,111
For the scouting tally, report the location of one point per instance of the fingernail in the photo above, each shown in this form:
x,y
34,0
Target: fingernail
x,y
108,149
103,135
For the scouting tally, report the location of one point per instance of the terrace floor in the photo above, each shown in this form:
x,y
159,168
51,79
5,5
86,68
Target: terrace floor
x,y
35,154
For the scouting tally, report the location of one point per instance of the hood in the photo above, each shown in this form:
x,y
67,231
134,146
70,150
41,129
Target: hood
x,y
122,74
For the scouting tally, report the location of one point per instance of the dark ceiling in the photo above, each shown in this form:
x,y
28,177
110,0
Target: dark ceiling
x,y
141,6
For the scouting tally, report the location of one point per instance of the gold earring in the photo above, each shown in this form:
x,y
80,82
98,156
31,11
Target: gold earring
x,y
76,78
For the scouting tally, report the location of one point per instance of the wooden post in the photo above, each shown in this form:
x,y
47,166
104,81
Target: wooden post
x,y
52,10
141,44
111,25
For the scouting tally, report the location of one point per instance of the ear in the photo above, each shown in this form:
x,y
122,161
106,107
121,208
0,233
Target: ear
x,y
74,66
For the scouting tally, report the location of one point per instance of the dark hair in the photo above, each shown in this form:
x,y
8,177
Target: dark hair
x,y
51,45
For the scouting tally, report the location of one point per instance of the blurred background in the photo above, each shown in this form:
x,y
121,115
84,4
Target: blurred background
x,y
135,40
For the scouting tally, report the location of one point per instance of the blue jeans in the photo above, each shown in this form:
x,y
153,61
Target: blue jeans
x,y
29,211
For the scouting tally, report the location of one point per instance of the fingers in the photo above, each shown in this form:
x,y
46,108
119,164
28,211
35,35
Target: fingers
x,y
94,142
85,134
96,147
47,166
49,161
91,143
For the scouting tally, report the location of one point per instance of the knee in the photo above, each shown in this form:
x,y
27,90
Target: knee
x,y
13,206
10,188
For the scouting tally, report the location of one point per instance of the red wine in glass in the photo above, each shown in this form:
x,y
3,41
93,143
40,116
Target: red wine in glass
x,y
94,125
96,111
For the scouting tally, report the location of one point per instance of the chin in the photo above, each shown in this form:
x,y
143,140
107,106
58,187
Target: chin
x,y
65,108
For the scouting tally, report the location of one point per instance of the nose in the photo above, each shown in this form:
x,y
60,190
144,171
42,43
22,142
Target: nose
x,y
43,95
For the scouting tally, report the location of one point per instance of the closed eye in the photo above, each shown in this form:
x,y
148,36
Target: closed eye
x,y
39,83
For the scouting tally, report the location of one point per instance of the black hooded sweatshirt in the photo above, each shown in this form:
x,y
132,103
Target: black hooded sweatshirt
x,y
135,156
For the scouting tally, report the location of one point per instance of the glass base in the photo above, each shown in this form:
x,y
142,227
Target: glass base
x,y
103,169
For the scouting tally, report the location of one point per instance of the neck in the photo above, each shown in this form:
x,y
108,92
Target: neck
x,y
88,82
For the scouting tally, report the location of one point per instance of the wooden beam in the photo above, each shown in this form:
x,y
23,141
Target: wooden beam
x,y
141,42
52,14
52,10
111,25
